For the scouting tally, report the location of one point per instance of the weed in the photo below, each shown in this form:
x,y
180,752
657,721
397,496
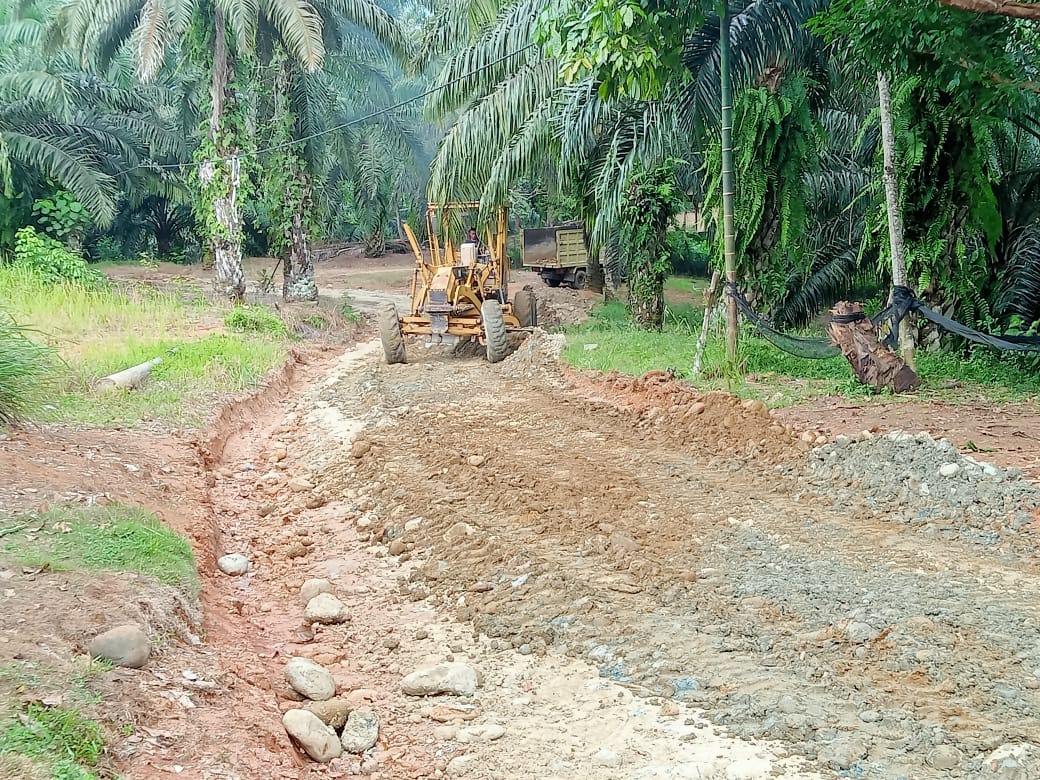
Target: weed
x,y
255,319
316,322
55,734
24,367
346,308
265,281
107,538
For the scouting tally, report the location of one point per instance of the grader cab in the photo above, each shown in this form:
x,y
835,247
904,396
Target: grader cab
x,y
459,294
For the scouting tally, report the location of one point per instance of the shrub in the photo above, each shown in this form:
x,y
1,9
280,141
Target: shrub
x,y
52,261
23,363
248,319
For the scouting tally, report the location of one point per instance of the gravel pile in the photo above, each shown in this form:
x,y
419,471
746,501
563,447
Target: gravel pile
x,y
537,357
914,479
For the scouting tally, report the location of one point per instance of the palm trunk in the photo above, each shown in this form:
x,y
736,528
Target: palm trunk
x,y
895,219
595,278
226,241
298,282
728,190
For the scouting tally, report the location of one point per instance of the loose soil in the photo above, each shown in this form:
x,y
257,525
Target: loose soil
x,y
647,578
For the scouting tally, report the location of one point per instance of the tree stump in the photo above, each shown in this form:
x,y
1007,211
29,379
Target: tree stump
x,y
872,363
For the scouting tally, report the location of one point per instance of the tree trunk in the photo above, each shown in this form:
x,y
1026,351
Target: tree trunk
x,y
873,364
226,242
298,280
895,219
646,298
728,189
375,243
594,280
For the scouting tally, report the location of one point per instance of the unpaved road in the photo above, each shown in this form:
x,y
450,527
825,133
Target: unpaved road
x,y
583,544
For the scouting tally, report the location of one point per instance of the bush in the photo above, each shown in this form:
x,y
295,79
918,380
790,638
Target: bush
x,y
246,319
690,253
23,363
52,262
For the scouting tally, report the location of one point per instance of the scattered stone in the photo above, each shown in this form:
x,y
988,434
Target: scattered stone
x,y
949,470
299,485
1013,762
233,565
453,677
326,608
446,713
669,709
870,716
332,712
476,460
607,758
360,732
842,753
266,509
315,738
483,733
421,634
123,646
445,733
858,632
310,679
945,757
315,587
360,448
461,765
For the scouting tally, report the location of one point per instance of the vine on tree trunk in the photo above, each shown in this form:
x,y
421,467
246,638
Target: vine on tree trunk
x,y
651,202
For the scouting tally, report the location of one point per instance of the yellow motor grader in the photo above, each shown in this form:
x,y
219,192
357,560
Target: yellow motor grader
x,y
459,294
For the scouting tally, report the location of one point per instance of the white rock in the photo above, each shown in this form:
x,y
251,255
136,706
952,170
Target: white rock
x,y
480,733
461,765
453,677
315,738
606,757
360,732
233,564
310,679
1013,762
949,470
326,608
315,587
858,632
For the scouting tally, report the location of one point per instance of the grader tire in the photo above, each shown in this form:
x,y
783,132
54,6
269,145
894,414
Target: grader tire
x,y
525,306
391,336
494,331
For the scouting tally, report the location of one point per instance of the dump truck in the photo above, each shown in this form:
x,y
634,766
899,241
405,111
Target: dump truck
x,y
558,254
459,294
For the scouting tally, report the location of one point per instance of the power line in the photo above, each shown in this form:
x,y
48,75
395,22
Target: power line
x,y
337,128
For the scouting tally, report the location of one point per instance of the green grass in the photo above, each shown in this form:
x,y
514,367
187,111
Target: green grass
x,y
99,332
255,319
24,368
769,374
61,734
103,538
685,284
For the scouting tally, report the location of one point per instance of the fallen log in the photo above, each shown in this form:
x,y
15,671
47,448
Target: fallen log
x,y
874,365
128,378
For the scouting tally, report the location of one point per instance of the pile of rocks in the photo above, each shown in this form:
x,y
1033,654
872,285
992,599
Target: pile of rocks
x,y
914,479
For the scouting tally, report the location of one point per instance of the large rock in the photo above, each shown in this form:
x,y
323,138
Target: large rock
x,y
326,608
233,565
361,731
1013,761
315,587
315,738
123,646
310,679
454,677
332,712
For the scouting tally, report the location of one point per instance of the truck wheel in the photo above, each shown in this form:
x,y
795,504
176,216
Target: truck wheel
x,y
551,279
391,336
579,279
494,331
525,307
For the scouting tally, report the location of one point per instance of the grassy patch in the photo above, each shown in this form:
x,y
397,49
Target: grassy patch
x,y
255,319
24,368
98,332
346,308
103,538
607,342
61,736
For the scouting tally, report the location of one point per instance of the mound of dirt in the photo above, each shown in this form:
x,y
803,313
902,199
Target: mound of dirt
x,y
537,357
718,421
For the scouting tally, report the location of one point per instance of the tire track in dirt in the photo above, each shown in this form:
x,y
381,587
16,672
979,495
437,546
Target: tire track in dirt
x,y
552,519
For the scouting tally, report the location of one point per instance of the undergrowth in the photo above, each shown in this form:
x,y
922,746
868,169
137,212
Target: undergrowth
x,y
608,342
102,538
24,367
98,331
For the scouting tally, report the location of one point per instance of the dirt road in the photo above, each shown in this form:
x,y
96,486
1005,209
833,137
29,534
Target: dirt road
x,y
583,544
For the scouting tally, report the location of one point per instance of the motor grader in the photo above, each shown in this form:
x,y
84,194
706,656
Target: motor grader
x,y
461,294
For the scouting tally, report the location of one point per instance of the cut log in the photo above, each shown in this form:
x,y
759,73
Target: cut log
x,y
128,378
872,363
